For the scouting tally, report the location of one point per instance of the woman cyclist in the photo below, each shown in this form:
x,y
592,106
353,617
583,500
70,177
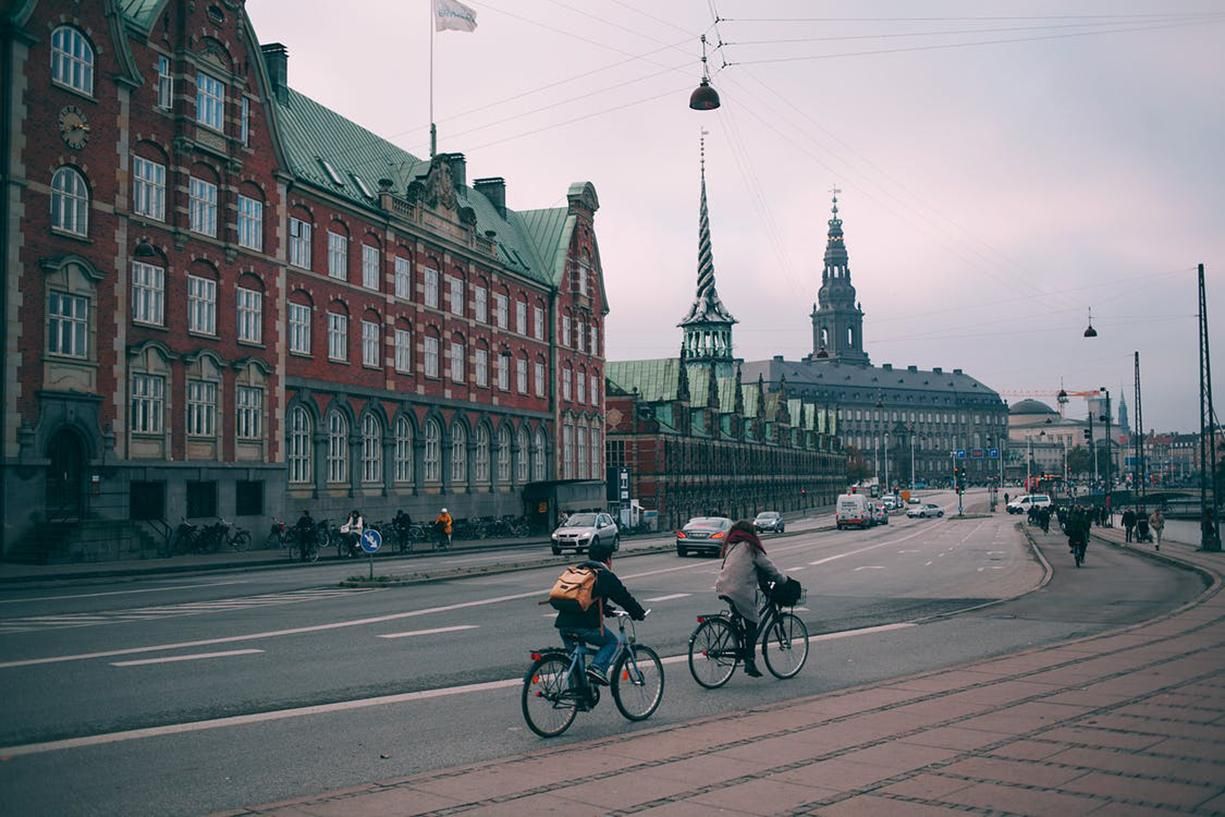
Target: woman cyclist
x,y
745,567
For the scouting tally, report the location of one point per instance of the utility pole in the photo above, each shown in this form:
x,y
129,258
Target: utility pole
x,y
1139,455
1109,456
1210,530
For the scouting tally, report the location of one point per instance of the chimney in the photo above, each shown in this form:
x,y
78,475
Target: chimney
x,y
957,371
912,368
276,60
494,189
459,168
887,367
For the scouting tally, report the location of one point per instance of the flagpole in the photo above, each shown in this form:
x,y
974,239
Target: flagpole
x,y
433,129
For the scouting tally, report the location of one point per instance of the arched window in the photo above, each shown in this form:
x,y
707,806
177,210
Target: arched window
x,y
433,451
69,202
404,450
539,469
504,455
72,60
482,455
525,452
459,455
299,446
372,449
338,447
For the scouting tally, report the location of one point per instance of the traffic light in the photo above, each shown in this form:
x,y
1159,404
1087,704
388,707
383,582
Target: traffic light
x,y
959,474
1088,434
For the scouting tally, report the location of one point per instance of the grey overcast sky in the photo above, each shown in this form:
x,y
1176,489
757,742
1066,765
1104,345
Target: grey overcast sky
x,y
1005,166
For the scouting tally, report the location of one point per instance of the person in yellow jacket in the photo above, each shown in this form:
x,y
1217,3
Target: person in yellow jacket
x,y
445,525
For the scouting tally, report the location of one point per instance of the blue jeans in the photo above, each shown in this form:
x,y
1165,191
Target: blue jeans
x,y
607,641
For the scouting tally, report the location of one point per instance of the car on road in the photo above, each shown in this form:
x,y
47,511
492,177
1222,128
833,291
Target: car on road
x,y
1022,504
880,512
582,529
924,510
914,500
702,534
852,510
769,521
892,502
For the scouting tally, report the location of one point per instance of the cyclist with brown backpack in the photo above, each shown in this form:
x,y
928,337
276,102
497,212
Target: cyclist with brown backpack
x,y
582,597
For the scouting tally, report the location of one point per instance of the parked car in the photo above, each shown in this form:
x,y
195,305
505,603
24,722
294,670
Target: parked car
x,y
914,500
1022,504
892,502
880,513
702,534
581,529
769,521
852,511
924,510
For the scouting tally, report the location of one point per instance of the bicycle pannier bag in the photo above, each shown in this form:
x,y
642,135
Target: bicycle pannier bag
x,y
786,594
572,592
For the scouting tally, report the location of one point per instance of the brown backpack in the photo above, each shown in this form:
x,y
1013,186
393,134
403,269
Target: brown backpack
x,y
574,590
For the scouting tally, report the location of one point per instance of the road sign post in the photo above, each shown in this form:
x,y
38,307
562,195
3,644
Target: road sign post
x,y
371,541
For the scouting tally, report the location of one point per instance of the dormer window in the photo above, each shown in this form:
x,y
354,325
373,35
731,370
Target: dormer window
x,y
331,172
361,185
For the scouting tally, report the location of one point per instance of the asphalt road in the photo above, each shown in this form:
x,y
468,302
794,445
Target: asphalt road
x,y
187,695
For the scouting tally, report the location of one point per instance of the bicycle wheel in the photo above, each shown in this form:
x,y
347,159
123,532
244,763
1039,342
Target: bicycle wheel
x,y
547,701
714,651
241,540
638,682
784,645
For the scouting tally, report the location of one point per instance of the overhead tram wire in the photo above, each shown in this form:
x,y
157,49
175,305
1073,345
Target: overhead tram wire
x,y
984,17
650,16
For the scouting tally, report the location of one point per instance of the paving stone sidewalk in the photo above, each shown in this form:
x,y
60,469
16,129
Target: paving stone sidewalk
x,y
1126,723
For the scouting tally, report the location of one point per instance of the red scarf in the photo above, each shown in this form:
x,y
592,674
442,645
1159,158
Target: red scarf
x,y
744,536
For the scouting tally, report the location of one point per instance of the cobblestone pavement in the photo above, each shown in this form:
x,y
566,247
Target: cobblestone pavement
x,y
1126,723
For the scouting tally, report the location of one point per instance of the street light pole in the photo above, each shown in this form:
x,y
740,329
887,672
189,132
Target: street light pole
x,y
1109,457
886,460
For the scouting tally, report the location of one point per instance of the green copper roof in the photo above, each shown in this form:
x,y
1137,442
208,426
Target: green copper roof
x,y
141,12
549,228
655,380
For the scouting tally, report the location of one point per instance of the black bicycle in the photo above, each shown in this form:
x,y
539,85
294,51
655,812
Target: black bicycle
x,y
556,687
715,645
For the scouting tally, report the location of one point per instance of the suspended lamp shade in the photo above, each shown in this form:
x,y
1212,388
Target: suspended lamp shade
x,y
145,250
822,353
704,97
1090,332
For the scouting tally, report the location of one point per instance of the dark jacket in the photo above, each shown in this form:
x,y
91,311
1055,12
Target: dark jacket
x,y
607,587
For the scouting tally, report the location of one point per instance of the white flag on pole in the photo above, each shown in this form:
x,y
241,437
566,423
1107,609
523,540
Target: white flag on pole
x,y
454,16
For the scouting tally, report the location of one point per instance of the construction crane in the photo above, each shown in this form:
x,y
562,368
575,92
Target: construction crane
x,y
1061,396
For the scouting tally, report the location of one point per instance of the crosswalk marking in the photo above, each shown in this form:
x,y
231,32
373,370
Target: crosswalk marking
x,y
27,624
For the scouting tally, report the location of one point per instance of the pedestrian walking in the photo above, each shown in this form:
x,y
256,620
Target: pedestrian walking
x,y
445,525
1156,521
1129,524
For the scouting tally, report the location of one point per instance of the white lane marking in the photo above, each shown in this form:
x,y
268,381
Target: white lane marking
x,y
173,658
339,706
928,563
908,551
121,592
868,567
409,633
670,597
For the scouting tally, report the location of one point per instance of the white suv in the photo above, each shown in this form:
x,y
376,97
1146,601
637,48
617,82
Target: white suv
x,y
1022,504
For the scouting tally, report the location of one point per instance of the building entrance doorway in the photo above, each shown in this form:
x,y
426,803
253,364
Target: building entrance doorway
x,y
65,476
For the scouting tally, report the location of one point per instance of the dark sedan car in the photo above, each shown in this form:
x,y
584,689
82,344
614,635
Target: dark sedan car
x,y
702,534
769,521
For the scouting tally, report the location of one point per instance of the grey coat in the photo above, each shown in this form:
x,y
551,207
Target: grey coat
x,y
738,578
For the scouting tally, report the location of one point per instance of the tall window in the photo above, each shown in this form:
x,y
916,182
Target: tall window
x,y
69,202
338,256
459,455
567,451
372,449
338,447
539,466
148,403
370,343
300,328
481,456
521,317
299,243
521,467
500,309
298,450
250,315
580,390
148,293
504,371
67,324
201,305
595,339
521,375
457,361
566,375
403,450
248,412
244,122
539,379
370,267
538,322
148,188
165,84
480,297
595,389
202,206
432,459
72,60
404,278
581,450
338,336
456,287
580,337
597,449
404,350
431,356
210,101
250,223
201,408
566,329
482,368
431,288
504,453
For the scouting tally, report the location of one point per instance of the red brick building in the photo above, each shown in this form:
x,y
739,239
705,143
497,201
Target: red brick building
x,y
222,299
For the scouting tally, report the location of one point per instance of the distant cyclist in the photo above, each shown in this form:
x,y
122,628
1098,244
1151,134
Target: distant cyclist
x,y
745,568
446,525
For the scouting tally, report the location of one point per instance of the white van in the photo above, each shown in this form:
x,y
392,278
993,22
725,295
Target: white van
x,y
852,510
1022,504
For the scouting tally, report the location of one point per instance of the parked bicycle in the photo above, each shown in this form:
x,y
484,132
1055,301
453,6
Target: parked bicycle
x,y
186,537
223,535
304,541
556,687
715,645
278,535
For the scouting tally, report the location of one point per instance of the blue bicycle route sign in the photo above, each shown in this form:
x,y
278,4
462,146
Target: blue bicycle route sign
x,y
372,540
